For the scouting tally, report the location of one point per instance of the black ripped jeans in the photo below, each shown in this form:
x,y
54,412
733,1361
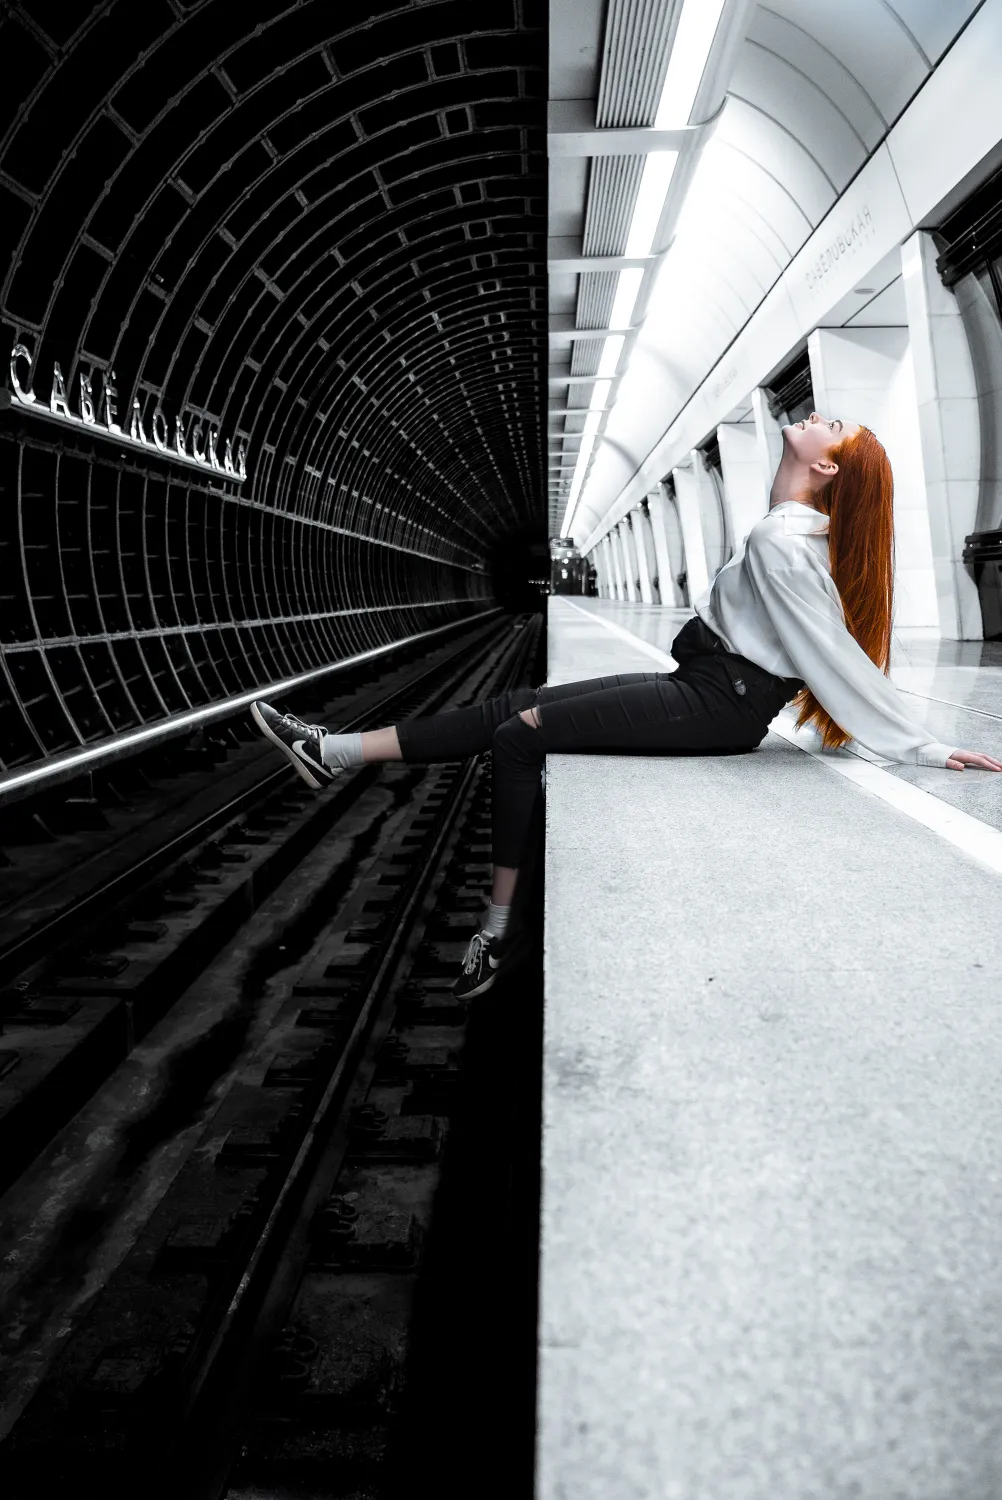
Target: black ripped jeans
x,y
716,703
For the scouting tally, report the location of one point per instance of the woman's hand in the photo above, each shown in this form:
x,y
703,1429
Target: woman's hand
x,y
961,758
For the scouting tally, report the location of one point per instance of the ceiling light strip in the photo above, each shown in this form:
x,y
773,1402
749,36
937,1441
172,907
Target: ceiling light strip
x,y
697,27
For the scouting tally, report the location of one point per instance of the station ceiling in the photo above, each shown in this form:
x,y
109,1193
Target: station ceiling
x,y
797,96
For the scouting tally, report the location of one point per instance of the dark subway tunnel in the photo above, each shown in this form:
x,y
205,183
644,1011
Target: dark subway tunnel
x,y
273,294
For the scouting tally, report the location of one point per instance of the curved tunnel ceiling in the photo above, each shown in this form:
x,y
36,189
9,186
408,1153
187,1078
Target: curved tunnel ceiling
x,y
814,90
314,233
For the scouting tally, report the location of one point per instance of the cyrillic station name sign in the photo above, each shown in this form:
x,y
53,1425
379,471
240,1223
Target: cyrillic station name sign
x,y
856,230
189,439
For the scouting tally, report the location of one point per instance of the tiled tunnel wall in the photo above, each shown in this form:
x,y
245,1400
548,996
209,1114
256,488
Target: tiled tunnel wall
x,y
316,230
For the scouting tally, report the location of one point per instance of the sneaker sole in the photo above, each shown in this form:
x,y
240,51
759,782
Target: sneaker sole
x,y
481,989
303,770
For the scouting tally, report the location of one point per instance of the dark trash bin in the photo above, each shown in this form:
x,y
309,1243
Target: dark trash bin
x,y
983,551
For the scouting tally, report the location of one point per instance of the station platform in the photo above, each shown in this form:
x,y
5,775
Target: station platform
x,y
772,1148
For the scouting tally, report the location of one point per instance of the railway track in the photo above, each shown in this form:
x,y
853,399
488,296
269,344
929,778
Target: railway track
x,y
237,1263
92,839
94,957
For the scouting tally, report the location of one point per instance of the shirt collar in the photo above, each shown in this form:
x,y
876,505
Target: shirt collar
x,y
798,519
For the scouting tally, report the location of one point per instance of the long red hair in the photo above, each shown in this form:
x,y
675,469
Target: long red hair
x,y
859,502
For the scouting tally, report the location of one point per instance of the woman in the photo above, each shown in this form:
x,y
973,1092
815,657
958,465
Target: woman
x,y
802,611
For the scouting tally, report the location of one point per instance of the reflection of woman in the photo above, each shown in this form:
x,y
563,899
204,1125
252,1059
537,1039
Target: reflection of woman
x,y
802,610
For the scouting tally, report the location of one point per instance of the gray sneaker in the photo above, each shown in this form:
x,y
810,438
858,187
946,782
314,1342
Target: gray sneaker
x,y
300,743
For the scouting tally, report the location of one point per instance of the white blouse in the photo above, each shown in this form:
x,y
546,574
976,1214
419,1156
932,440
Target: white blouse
x,y
775,602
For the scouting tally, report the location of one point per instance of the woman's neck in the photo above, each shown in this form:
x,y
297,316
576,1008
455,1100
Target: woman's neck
x,y
792,482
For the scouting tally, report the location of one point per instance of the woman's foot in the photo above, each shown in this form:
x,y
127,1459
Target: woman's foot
x,y
300,743
482,963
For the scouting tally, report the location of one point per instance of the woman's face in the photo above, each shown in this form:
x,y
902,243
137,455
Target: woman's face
x,y
810,439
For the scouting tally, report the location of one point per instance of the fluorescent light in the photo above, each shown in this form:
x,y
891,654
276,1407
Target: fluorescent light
x,y
611,350
694,35
599,395
626,296
653,190
587,444
697,26
592,422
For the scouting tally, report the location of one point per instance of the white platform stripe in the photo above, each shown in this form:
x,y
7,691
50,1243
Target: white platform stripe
x,y
965,832
654,652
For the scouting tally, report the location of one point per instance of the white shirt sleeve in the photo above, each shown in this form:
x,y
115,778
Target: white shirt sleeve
x,y
802,603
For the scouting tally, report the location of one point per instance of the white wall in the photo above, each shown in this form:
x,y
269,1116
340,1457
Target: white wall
x,y
866,375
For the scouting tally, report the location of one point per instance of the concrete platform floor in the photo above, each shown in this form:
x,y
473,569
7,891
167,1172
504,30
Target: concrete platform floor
x,y
772,1212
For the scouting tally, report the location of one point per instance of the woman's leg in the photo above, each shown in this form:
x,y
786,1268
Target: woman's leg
x,y
381,744
459,732
655,715
469,731
670,714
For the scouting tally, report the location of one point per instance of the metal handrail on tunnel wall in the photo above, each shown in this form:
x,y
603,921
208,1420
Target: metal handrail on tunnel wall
x,y
60,768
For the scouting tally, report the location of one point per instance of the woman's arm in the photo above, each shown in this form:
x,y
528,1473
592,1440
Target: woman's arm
x,y
803,607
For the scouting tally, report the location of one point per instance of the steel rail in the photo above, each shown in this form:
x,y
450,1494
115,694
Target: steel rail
x,y
314,1139
16,785
309,1174
207,1385
15,956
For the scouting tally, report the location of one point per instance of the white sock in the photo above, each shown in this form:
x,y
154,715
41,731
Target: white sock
x,y
341,751
496,920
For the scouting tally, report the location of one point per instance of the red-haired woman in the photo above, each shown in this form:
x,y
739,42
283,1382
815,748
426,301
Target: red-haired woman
x,y
803,610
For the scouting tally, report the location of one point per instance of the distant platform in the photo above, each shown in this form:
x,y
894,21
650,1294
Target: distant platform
x,y
772,1190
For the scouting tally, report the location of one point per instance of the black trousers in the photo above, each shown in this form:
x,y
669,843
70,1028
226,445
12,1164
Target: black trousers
x,y
716,703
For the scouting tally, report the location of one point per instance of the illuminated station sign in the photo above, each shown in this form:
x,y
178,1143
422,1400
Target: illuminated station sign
x,y
189,439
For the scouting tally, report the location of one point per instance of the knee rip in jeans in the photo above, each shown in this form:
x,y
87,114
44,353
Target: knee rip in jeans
x,y
530,716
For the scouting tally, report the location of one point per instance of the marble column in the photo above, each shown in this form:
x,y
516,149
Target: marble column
x,y
603,567
946,394
687,498
629,559
636,519
615,546
657,503
668,537
646,534
768,436
746,493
